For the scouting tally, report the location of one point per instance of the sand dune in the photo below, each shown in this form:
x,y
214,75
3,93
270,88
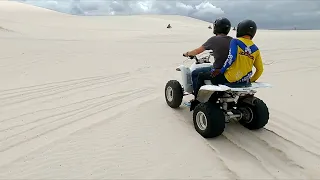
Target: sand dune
x,y
83,98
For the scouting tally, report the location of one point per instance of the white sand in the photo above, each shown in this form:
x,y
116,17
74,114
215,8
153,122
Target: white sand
x,y
83,98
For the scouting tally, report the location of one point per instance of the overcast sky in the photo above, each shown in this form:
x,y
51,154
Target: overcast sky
x,y
303,14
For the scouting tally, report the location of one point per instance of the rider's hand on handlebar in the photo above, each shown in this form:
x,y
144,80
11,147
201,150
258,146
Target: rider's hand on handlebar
x,y
187,55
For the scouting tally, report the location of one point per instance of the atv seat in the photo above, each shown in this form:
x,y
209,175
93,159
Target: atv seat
x,y
238,85
232,85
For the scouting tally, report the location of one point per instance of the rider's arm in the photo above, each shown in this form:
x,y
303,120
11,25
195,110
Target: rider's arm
x,y
231,57
206,46
196,51
259,68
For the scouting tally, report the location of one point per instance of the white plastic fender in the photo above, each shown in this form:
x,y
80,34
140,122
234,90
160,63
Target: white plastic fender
x,y
206,91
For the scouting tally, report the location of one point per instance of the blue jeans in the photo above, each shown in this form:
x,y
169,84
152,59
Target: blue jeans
x,y
195,73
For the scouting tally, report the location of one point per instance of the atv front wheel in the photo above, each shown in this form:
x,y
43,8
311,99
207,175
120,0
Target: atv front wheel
x,y
208,120
173,93
255,113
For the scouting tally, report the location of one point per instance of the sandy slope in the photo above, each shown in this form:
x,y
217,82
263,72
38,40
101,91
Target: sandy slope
x,y
83,98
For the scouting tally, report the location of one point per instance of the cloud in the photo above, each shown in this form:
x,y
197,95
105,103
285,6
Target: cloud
x,y
276,13
303,14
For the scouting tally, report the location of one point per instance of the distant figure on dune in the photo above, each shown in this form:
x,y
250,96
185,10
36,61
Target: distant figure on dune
x,y
169,26
234,28
209,27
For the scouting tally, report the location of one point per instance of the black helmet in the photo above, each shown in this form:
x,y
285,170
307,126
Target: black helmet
x,y
221,26
246,27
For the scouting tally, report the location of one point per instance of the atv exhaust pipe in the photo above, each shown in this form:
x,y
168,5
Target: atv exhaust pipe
x,y
230,115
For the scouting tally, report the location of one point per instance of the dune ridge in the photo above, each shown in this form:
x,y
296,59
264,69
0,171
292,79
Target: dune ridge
x,y
83,98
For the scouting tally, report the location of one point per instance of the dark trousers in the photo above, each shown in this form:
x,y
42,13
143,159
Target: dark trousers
x,y
219,79
195,73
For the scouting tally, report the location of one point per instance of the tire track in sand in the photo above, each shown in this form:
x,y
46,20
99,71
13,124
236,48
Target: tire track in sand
x,y
60,107
57,119
297,124
49,134
310,161
71,112
54,91
235,156
296,135
184,115
238,147
52,84
231,155
273,159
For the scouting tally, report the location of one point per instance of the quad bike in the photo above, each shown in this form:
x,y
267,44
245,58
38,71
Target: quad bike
x,y
218,104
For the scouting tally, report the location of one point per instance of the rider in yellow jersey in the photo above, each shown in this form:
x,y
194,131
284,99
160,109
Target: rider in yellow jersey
x,y
243,55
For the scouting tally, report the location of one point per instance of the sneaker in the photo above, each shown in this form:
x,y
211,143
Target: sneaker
x,y
188,104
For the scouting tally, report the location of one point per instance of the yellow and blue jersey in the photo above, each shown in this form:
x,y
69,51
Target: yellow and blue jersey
x,y
243,55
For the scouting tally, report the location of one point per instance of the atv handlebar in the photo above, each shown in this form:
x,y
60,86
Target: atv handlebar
x,y
191,57
203,60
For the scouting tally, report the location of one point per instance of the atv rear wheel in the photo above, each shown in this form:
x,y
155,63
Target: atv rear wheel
x,y
208,120
173,93
255,115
